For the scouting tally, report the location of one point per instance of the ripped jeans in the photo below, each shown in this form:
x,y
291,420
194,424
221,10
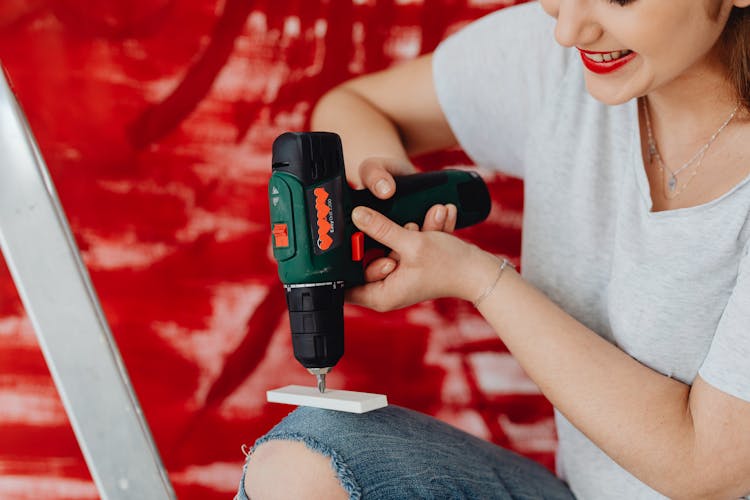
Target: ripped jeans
x,y
395,453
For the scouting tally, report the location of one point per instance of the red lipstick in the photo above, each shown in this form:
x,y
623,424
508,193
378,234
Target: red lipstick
x,y
604,67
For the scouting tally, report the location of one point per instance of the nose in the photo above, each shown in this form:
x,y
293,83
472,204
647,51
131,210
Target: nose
x,y
576,24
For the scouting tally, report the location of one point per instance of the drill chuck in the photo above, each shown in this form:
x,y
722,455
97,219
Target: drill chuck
x,y
316,318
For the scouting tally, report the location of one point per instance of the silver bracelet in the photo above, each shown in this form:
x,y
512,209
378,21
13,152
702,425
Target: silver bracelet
x,y
505,263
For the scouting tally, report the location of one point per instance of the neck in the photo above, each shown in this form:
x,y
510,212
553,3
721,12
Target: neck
x,y
695,100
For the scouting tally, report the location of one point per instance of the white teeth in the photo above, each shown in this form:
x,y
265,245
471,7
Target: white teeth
x,y
606,57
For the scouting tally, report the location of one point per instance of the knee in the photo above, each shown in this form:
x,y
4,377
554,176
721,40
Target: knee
x,y
289,469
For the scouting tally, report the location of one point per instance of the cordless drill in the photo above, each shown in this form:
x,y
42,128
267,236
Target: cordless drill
x,y
319,250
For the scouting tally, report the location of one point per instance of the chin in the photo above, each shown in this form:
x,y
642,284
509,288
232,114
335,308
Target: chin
x,y
608,94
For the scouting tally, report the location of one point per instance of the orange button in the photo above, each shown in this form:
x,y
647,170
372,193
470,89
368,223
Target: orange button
x,y
358,246
280,235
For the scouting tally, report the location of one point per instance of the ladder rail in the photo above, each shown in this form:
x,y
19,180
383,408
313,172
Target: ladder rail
x,y
73,333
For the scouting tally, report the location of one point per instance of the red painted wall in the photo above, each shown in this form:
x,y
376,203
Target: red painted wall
x,y
156,119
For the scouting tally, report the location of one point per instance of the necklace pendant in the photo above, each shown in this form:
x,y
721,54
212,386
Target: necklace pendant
x,y
672,183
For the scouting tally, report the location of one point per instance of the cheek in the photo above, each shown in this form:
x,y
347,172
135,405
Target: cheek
x,y
677,33
675,50
714,8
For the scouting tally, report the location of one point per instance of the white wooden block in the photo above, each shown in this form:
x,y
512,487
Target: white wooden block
x,y
350,401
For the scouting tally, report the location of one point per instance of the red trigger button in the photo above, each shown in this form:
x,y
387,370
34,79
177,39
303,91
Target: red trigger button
x,y
358,246
281,235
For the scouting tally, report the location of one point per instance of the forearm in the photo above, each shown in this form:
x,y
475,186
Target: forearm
x,y
390,114
686,441
637,416
365,131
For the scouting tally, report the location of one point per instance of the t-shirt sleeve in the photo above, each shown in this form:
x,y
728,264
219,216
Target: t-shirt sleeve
x,y
727,365
493,76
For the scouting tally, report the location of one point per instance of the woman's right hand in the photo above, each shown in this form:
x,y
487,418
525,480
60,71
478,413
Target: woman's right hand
x,y
377,175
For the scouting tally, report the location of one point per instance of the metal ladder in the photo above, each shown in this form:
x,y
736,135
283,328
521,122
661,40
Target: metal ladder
x,y
73,333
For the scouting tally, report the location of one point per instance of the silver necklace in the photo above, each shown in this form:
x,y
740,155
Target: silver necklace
x,y
653,153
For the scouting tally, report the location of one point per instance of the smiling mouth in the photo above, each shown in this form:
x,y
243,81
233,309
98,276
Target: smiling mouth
x,y
603,63
605,56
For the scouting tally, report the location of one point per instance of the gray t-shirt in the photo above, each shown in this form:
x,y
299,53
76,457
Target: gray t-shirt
x,y
672,288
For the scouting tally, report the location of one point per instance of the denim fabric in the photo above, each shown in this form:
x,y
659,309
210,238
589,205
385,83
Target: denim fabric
x,y
395,453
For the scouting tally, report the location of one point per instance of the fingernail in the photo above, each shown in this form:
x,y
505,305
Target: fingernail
x,y
387,267
361,216
382,186
440,214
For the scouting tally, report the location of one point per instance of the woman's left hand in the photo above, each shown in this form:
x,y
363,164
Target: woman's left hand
x,y
423,265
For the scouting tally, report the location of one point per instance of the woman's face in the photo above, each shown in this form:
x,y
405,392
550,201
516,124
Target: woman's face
x,y
632,47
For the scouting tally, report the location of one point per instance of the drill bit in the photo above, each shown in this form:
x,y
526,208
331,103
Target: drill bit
x,y
320,375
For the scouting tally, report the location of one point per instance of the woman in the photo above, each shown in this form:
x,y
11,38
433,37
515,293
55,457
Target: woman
x,y
633,314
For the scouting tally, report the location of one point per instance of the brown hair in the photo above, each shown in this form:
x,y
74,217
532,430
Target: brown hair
x,y
736,42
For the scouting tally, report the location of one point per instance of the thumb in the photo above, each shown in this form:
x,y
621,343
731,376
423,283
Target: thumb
x,y
377,174
379,227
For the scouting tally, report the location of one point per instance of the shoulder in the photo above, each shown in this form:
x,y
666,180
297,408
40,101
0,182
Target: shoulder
x,y
514,49
530,14
523,22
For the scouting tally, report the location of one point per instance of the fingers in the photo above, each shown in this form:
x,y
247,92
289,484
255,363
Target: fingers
x,y
409,226
441,218
451,218
379,269
378,227
365,295
377,175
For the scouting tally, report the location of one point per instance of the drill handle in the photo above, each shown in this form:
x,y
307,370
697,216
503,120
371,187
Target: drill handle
x,y
416,193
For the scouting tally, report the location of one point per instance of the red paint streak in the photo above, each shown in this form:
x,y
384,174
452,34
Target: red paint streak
x,y
162,118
